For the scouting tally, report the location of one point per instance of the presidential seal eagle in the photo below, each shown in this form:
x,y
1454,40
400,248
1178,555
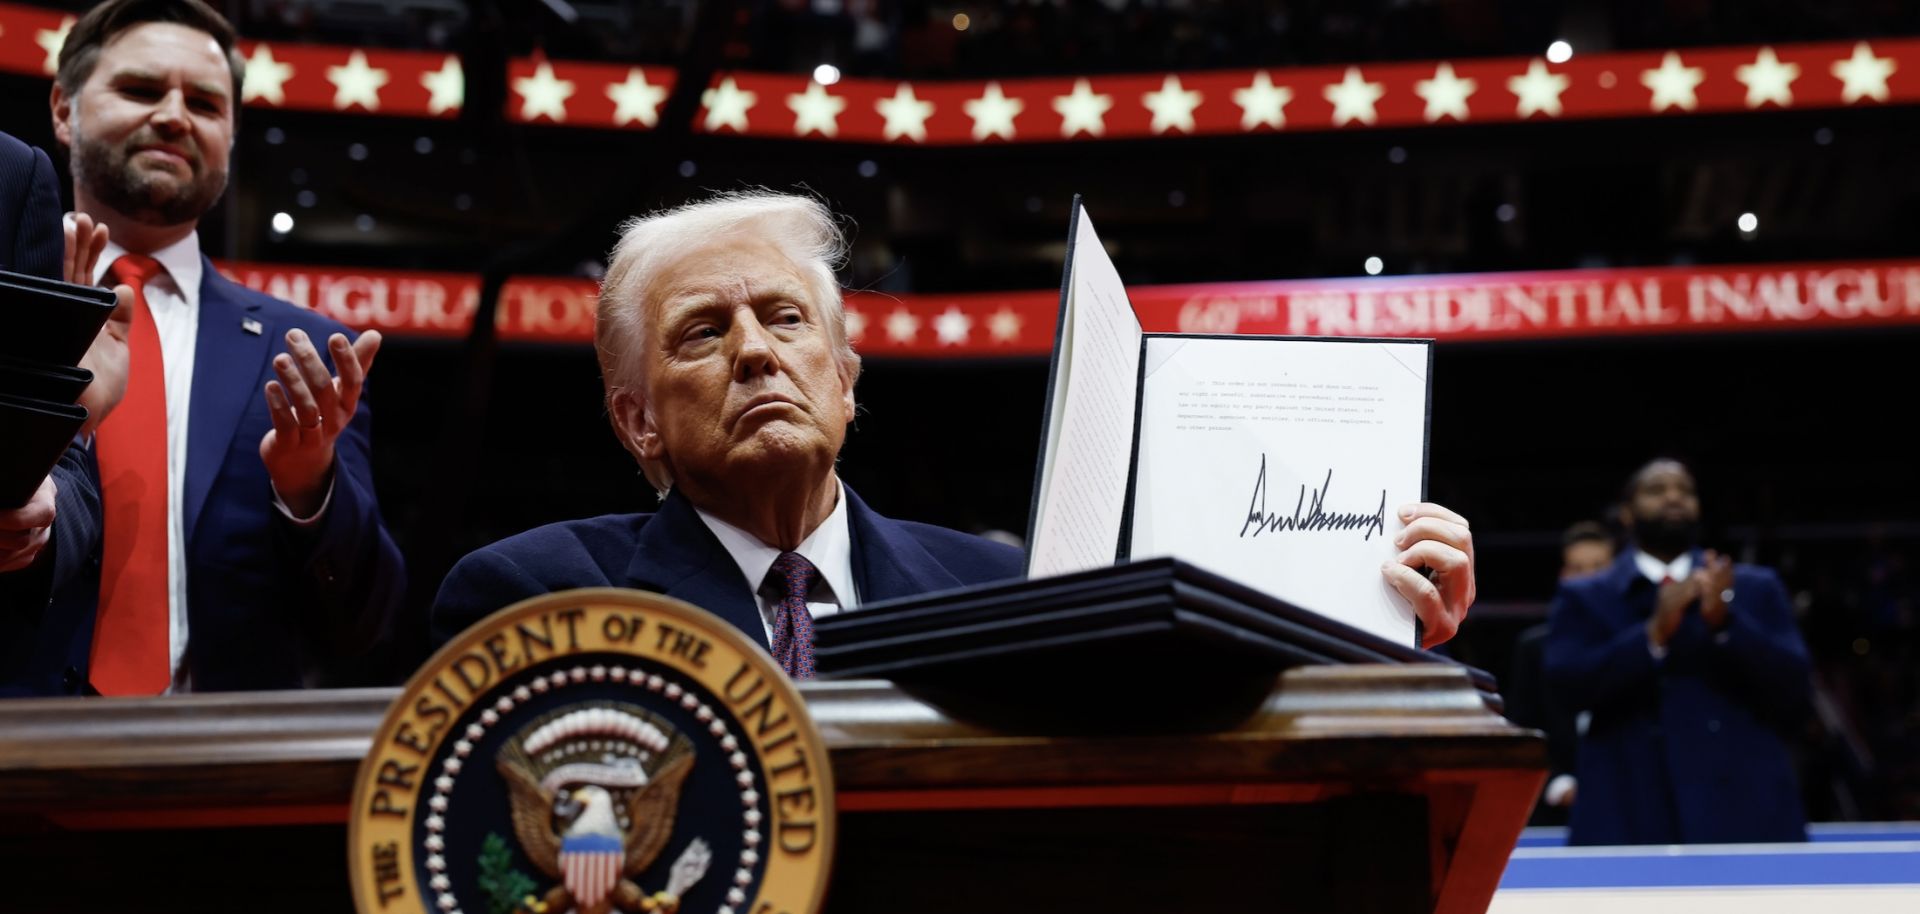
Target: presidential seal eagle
x,y
594,792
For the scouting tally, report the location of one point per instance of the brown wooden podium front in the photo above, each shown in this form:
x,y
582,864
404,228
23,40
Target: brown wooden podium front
x,y
1355,788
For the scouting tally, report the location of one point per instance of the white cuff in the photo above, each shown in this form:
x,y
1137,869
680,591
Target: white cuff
x,y
318,513
1559,791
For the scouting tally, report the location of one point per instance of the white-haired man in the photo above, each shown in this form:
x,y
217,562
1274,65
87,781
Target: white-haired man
x,y
729,377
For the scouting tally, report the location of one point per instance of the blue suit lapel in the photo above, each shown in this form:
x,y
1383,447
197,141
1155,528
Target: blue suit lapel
x,y
888,563
227,364
1624,572
678,556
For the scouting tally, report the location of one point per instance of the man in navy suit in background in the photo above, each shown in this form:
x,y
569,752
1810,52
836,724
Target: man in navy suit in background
x,y
1695,675
729,377
243,546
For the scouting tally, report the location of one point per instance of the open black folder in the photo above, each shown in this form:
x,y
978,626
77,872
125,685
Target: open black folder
x,y
45,329
1157,644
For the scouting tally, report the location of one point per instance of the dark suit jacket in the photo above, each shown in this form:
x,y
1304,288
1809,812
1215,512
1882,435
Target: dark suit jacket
x,y
1690,748
30,236
46,610
673,553
270,605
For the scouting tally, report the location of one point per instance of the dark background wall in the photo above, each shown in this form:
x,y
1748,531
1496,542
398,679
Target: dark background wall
x,y
1800,439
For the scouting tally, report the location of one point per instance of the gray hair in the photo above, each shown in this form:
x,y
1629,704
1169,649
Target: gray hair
x,y
800,227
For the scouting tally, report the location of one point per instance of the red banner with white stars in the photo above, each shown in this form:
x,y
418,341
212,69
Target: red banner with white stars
x,y
1487,306
310,77
587,94
296,77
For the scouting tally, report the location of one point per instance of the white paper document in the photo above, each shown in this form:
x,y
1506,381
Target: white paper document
x,y
1083,470
1281,464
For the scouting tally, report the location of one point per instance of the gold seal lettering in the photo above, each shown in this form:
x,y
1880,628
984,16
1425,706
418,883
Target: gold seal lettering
x,y
686,645
386,871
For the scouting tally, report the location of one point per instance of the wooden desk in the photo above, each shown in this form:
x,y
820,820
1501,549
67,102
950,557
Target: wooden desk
x,y
1354,788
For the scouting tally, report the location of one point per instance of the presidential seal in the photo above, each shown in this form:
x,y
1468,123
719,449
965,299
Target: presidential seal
x,y
594,751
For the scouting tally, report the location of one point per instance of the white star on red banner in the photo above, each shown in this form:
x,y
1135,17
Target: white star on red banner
x,y
1538,90
816,110
1863,75
51,41
952,327
902,326
635,100
1262,103
993,113
1673,84
1004,325
446,87
1768,80
1083,111
906,115
266,78
542,94
1353,98
1445,94
727,105
1172,106
357,83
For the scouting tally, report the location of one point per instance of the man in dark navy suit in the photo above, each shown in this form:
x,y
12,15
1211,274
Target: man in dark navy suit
x,y
728,373
1694,673
243,547
730,379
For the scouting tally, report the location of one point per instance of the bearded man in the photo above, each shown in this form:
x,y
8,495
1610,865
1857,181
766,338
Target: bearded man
x,y
242,546
1694,675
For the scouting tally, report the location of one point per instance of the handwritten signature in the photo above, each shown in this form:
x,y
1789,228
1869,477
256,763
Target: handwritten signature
x,y
1309,514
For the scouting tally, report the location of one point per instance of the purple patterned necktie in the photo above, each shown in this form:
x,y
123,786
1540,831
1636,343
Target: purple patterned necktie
x,y
788,582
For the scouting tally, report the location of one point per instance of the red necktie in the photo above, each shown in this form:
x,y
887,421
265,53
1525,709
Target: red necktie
x,y
131,653
790,578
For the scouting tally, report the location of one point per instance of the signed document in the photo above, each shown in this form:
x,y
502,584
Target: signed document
x,y
1279,463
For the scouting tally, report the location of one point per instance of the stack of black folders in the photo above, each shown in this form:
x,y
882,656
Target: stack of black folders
x,y
1151,645
45,328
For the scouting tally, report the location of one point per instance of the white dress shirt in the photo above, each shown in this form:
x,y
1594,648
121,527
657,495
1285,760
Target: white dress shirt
x,y
1658,571
173,298
829,547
